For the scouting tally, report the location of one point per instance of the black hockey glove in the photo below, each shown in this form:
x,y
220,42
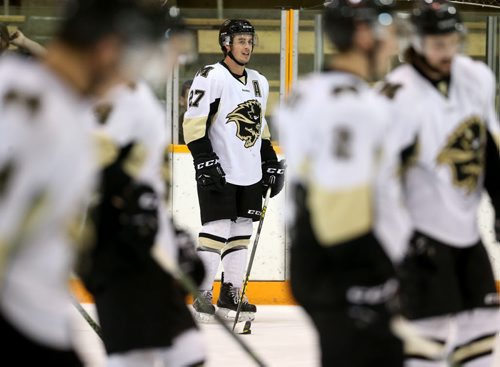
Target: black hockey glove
x,y
209,173
138,217
273,176
422,253
189,261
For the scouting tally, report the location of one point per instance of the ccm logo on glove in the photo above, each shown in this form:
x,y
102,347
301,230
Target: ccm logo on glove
x,y
207,164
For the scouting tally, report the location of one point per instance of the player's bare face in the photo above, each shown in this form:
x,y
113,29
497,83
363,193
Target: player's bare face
x,y
439,51
387,49
242,47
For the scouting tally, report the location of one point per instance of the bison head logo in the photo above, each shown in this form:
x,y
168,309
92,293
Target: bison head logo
x,y
464,153
248,119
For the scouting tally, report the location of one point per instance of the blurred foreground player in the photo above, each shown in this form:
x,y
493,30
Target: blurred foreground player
x,y
449,147
142,310
332,130
47,170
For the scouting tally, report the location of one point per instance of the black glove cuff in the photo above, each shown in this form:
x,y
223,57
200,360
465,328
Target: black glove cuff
x,y
267,152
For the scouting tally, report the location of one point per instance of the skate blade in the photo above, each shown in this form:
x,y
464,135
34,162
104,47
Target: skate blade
x,y
204,318
230,315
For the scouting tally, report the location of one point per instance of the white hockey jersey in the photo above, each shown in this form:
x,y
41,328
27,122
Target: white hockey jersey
x,y
443,142
230,111
332,131
46,173
132,113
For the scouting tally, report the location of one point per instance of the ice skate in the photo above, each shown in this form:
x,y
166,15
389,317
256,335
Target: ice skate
x,y
228,304
204,310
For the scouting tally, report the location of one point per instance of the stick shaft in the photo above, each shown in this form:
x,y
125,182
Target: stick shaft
x,y
190,286
252,255
87,317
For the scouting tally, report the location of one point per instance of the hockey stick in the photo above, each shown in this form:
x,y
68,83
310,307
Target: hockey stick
x,y
252,256
189,285
87,317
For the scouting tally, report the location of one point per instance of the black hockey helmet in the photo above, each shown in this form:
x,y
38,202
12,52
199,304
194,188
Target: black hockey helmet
x,y
86,21
341,16
231,27
431,17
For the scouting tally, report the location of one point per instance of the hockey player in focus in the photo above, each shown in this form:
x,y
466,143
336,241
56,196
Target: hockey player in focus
x,y
449,148
47,170
332,130
141,308
227,133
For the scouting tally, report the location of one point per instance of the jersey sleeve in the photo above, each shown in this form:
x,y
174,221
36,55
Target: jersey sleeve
x,y
294,134
492,165
37,195
203,103
399,150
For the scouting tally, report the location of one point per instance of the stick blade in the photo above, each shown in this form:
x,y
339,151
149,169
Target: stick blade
x,y
243,328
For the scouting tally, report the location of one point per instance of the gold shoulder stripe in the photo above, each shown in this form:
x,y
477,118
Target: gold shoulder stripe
x,y
135,160
496,138
339,216
194,128
106,149
266,134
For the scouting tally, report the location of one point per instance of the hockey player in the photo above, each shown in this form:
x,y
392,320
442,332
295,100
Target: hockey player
x,y
46,171
227,133
449,147
332,130
122,274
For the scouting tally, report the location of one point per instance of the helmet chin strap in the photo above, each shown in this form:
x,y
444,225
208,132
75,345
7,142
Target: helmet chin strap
x,y
230,54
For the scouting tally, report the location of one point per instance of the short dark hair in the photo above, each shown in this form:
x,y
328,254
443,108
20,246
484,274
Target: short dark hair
x,y
85,22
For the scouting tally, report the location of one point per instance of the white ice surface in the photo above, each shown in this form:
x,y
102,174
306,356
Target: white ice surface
x,y
281,335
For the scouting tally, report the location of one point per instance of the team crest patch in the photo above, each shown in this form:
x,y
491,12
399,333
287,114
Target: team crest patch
x,y
464,153
248,119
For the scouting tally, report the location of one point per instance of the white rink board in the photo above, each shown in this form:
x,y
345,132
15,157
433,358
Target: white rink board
x,y
269,263
272,251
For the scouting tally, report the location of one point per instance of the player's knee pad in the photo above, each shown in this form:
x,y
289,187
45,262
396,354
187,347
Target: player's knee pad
x,y
476,336
241,231
214,235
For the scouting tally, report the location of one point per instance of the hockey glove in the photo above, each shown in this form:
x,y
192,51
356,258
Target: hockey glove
x,y
138,217
209,173
422,253
273,176
189,261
